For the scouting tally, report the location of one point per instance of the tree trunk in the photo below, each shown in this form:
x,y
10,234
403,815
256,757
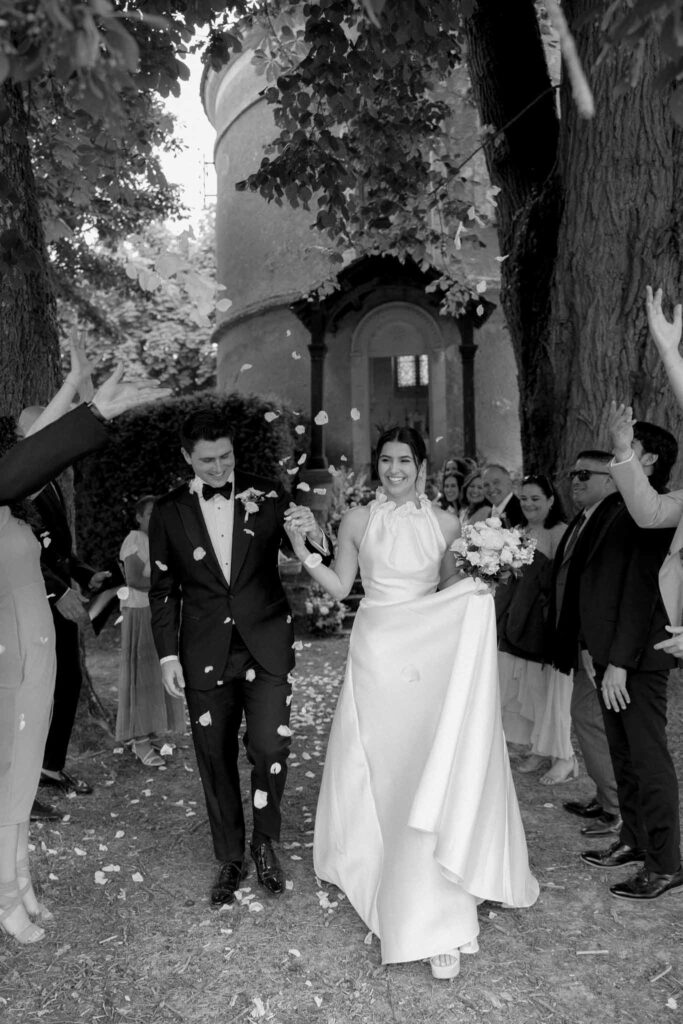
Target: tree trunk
x,y
29,353
621,225
509,73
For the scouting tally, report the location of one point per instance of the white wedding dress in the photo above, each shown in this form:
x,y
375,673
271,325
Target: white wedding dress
x,y
417,818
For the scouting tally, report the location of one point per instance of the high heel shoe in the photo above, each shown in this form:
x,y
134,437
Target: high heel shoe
x,y
569,771
146,754
10,900
445,965
42,913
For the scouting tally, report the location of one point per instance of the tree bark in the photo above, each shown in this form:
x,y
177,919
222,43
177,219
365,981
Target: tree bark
x,y
515,97
29,352
621,229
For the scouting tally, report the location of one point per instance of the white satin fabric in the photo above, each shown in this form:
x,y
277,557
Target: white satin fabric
x,y
417,818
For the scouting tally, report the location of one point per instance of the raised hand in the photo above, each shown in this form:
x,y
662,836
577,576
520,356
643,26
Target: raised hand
x,y
665,334
620,426
116,395
297,525
80,373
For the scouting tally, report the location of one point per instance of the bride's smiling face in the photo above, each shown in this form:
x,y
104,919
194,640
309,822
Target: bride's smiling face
x,y
397,471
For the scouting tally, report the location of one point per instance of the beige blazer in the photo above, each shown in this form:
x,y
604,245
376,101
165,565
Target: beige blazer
x,y
656,511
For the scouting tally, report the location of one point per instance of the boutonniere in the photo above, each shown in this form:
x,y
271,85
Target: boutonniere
x,y
195,486
252,500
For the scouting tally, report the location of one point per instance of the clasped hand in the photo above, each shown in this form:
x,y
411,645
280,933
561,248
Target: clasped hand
x,y
300,523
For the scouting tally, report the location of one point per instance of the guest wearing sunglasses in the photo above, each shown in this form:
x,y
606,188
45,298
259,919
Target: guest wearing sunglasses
x,y
609,609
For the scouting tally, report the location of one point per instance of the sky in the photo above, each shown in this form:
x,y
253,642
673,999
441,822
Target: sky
x,y
192,169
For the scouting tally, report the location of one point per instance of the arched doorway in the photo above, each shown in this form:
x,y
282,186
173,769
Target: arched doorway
x,y
398,375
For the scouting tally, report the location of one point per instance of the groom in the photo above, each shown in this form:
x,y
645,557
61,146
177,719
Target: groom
x,y
223,631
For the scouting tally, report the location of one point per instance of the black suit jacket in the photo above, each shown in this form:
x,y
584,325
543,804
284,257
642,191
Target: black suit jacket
x,y
28,466
194,609
59,562
512,513
612,603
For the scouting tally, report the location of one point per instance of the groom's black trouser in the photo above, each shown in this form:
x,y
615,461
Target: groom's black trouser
x,y
216,717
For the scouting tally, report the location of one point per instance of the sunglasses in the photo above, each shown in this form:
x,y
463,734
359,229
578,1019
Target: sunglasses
x,y
585,474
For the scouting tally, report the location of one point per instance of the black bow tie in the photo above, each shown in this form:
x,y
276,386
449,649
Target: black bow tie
x,y
209,492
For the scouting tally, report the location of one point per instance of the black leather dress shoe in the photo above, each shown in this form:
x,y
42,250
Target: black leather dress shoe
x,y
67,783
614,856
647,885
592,809
230,876
268,869
43,812
605,825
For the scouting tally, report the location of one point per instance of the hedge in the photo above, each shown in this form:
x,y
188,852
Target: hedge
x,y
144,457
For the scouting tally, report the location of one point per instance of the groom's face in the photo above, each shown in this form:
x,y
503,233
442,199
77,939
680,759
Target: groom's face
x,y
212,461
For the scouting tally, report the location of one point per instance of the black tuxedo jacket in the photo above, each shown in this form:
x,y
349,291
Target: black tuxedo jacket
x,y
611,601
512,513
194,609
28,466
59,562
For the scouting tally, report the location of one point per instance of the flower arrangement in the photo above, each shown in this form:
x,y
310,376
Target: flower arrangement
x,y
490,552
348,492
251,500
324,614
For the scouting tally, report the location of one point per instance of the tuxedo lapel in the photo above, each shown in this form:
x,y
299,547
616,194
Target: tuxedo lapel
x,y
240,538
603,518
195,528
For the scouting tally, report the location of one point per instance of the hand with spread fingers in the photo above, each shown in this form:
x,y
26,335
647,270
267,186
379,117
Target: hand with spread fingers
x,y
117,395
666,334
620,424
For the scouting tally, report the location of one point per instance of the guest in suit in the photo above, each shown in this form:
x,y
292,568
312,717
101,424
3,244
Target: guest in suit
x,y
613,603
223,631
635,713
27,652
66,577
593,493
498,491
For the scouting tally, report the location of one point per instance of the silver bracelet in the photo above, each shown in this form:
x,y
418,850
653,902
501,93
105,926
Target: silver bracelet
x,y
313,560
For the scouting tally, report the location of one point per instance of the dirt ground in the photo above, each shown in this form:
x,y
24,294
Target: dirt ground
x,y
128,870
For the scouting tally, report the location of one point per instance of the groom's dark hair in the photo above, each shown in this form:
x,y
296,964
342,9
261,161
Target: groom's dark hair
x,y
204,425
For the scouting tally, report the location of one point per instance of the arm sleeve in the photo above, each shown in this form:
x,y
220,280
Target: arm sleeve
x,y
32,463
649,509
165,593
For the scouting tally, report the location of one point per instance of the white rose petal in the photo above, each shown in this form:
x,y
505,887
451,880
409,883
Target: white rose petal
x,y
289,885
244,367
255,908
119,620
22,722
303,486
205,719
198,554
284,730
250,675
439,438
299,429
120,834
47,541
481,287
160,565
100,878
298,645
111,867
368,939
225,621
260,799
166,749
270,416
79,852
250,532
272,494
355,414
123,593
275,768
294,952
288,700
296,355
137,877
207,669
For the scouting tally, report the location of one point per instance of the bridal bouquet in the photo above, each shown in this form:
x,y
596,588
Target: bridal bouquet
x,y
490,552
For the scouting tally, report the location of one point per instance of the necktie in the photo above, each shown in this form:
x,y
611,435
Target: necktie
x,y
209,492
571,543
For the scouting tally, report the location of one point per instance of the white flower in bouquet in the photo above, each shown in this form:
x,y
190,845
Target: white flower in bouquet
x,y
491,552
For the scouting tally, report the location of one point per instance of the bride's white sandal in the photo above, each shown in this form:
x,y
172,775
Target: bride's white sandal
x,y
445,965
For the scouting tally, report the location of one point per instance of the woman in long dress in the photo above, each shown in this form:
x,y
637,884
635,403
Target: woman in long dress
x,y
417,818
535,697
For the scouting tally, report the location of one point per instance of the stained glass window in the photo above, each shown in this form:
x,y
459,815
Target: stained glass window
x,y
411,371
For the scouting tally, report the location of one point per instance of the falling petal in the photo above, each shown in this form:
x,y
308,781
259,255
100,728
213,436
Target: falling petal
x,y
2,649
260,799
302,459
355,414
244,367
255,908
296,355
368,939
137,877
293,472
321,418
227,620
299,429
272,494
119,620
270,416
250,532
289,885
439,438
479,311
294,952
44,639
501,259
481,287
250,675
160,565
288,701
297,645
303,486
79,852
47,541
288,619
205,719
198,554
208,668
284,730
120,834
318,1001
22,722
123,593
276,768
320,490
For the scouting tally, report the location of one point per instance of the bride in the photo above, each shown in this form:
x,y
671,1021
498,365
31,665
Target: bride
x,y
417,819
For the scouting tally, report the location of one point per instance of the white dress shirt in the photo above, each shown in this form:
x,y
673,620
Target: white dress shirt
x,y
497,510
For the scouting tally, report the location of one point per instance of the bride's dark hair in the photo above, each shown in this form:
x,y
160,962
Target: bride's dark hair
x,y
404,435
